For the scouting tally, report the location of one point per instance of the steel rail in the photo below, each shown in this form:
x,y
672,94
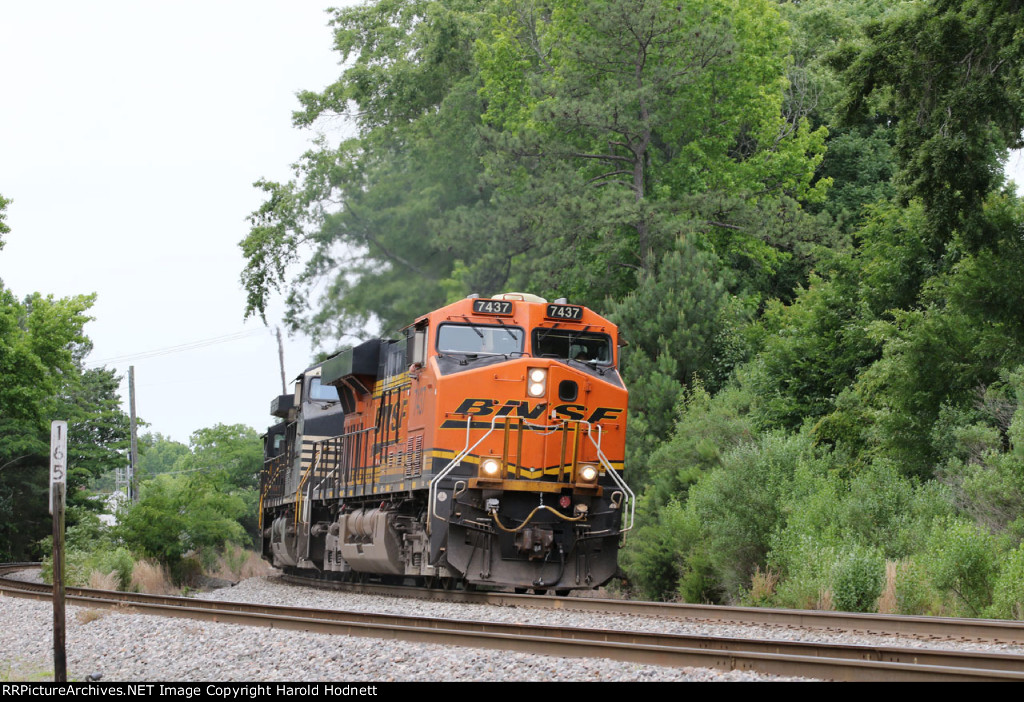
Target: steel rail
x,y
838,662
988,630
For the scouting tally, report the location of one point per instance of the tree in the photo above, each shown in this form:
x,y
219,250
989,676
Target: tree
x,y
609,118
36,366
158,454
42,378
206,500
371,208
950,71
4,229
497,140
177,514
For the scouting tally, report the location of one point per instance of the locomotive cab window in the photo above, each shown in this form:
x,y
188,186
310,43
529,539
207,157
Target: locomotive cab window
x,y
479,339
587,347
277,445
318,392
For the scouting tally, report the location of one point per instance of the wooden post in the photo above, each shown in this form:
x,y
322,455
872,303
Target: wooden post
x,y
58,480
60,671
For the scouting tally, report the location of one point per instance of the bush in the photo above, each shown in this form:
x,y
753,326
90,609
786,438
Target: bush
x,y
961,561
1008,598
914,592
740,505
806,583
857,580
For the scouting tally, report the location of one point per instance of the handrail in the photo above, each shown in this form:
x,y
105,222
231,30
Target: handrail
x,y
272,466
609,468
432,493
305,476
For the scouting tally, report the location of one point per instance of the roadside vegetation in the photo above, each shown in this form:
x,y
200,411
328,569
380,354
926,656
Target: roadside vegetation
x,y
195,518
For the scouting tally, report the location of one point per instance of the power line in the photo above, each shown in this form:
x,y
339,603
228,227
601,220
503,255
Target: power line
x,y
190,346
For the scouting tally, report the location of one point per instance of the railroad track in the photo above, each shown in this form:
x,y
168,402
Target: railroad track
x,y
926,628
818,660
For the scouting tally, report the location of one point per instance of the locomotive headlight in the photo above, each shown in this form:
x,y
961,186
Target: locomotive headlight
x,y
490,468
537,382
588,474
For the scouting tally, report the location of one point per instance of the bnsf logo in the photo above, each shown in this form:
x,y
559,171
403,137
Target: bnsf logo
x,y
480,407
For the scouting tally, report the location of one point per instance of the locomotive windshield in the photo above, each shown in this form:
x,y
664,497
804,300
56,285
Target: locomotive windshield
x,y
589,347
480,339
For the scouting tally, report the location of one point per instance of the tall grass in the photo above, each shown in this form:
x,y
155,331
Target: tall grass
x,y
152,578
237,563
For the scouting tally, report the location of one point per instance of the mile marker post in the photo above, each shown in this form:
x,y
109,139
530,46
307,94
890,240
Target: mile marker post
x,y
58,479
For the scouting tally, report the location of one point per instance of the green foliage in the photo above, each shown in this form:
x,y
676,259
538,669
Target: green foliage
x,y
42,378
706,429
914,592
741,504
179,514
207,499
1008,595
509,133
664,558
807,582
950,71
4,229
89,546
234,452
857,580
961,559
158,455
408,79
671,320
651,558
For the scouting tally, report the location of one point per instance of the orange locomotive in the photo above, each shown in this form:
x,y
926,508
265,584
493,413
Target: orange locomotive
x,y
486,448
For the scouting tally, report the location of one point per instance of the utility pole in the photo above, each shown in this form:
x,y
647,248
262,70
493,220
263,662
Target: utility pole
x,y
133,486
280,356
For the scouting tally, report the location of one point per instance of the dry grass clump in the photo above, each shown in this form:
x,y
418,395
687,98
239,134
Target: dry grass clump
x,y
150,577
90,615
762,585
237,563
888,603
103,581
825,602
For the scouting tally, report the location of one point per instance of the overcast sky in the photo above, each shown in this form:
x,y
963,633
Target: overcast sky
x,y
130,135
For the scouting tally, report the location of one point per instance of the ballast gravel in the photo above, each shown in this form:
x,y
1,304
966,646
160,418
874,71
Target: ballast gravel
x,y
135,648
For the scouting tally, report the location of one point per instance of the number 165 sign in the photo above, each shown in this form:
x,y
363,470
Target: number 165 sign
x,y
58,456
